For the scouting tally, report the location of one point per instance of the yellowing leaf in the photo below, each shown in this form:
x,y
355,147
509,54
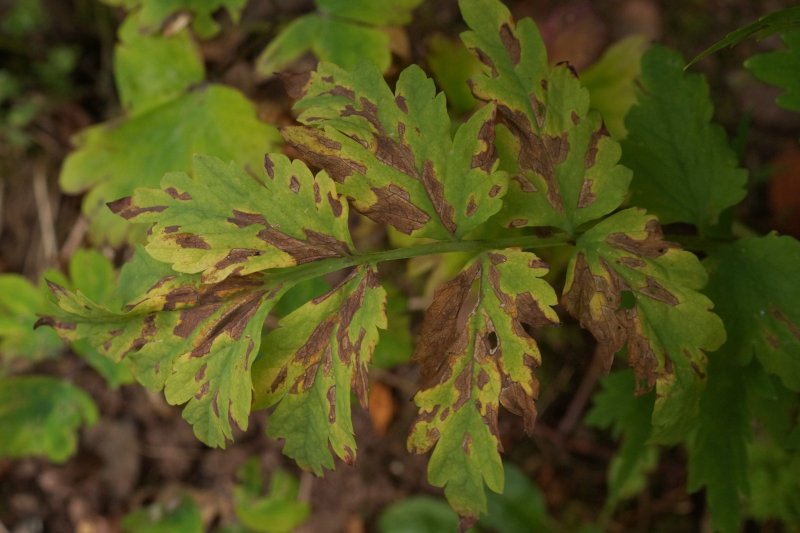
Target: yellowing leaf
x,y
311,362
473,364
393,155
638,293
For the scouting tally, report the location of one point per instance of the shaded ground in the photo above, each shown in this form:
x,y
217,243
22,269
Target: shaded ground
x,y
142,450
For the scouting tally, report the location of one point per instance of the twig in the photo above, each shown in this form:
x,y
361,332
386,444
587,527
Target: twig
x,y
2,192
582,395
45,213
75,237
304,490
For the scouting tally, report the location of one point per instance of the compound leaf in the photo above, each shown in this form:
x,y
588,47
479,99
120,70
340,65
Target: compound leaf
x,y
781,68
469,369
637,292
168,123
683,168
196,341
311,362
761,310
563,162
393,154
225,221
41,415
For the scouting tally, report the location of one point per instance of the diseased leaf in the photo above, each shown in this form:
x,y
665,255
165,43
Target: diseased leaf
x,y
392,153
472,364
760,309
168,123
311,362
563,164
638,293
452,66
157,16
41,415
683,168
225,221
196,341
781,68
20,301
628,418
611,82
718,449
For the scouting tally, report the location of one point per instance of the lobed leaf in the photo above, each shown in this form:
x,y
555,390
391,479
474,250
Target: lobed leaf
x,y
41,416
224,221
638,293
156,16
314,358
781,67
20,301
196,341
683,168
761,310
393,155
563,164
472,364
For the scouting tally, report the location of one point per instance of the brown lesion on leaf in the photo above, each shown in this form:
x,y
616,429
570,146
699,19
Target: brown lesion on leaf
x,y
655,290
587,196
172,229
232,321
241,219
486,158
316,246
336,205
514,398
435,189
472,206
236,256
495,190
321,151
294,184
188,240
651,247
269,166
510,42
781,317
402,105
124,207
177,195
331,397
393,206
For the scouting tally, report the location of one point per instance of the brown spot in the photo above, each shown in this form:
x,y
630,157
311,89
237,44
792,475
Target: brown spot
x,y
483,379
514,398
201,374
633,262
202,391
242,219
187,240
173,192
575,118
349,456
485,159
510,42
319,150
771,339
331,396
472,206
435,191
655,290
190,319
336,205
215,404
393,206
124,207
317,195
494,191
233,321
401,103
518,223
651,247
294,184
295,83
279,379
781,317
445,414
592,149
269,166
171,229
587,196
340,90
236,255
316,246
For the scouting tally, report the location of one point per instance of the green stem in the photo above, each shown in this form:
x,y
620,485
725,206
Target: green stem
x,y
327,266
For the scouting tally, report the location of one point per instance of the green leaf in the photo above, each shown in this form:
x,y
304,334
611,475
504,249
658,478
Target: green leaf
x,y
384,13
311,362
151,70
20,301
724,418
611,82
393,153
41,416
225,221
169,122
683,168
770,24
418,514
760,309
452,65
628,418
469,369
342,42
278,511
563,163
180,514
395,345
774,483
665,327
197,341
781,68
521,508
154,16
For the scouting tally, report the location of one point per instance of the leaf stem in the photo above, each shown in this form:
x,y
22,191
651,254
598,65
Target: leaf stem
x,y
327,266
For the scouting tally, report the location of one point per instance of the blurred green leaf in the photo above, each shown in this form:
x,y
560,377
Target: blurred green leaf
x,y
277,511
20,301
418,514
394,345
41,415
153,16
178,515
452,65
781,68
521,507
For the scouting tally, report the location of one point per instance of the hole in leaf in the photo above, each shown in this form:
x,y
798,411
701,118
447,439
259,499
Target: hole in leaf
x,y
627,300
492,338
